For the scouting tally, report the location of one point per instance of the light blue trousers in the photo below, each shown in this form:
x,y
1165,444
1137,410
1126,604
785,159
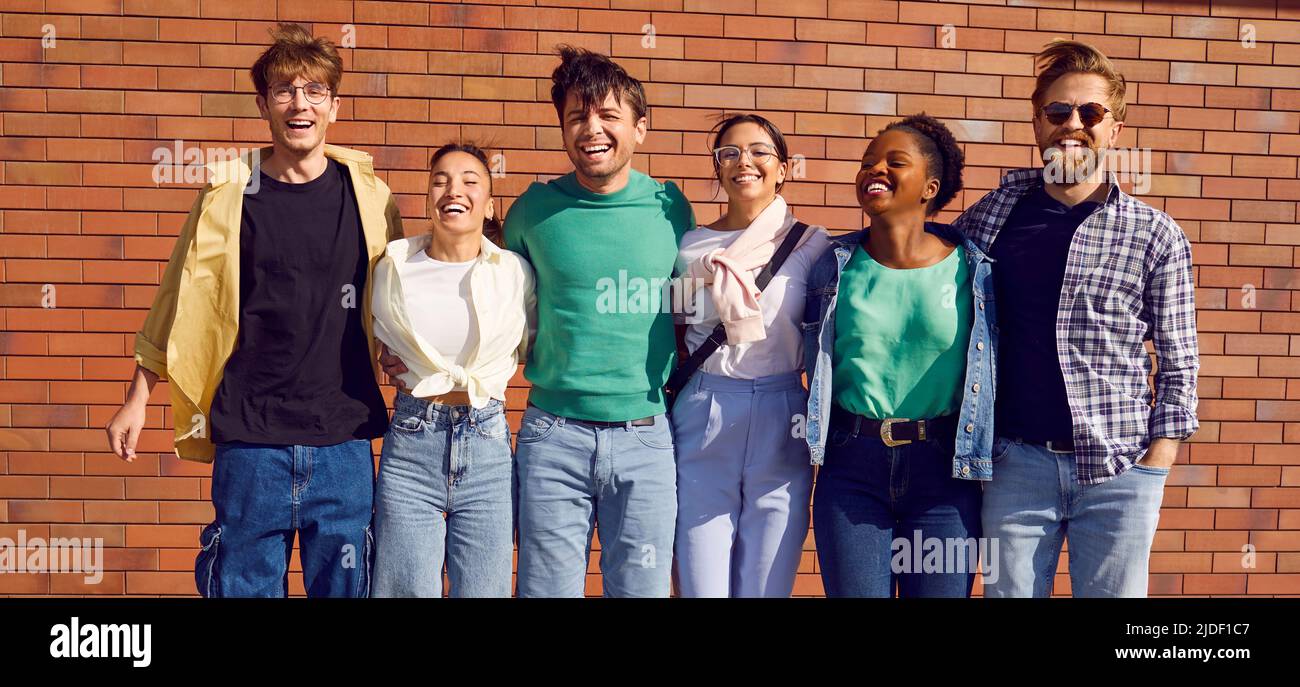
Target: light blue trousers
x,y
743,485
576,479
445,494
1035,503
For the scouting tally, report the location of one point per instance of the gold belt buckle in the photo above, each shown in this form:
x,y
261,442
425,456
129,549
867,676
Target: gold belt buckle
x,y
887,431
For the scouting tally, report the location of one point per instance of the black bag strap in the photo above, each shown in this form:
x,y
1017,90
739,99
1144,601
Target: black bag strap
x,y
677,381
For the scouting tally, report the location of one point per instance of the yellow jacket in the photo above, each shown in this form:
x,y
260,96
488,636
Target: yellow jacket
x,y
193,324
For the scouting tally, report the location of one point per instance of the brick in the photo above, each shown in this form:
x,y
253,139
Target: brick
x,y
22,511
828,124
828,77
820,30
901,34
759,27
1214,584
790,52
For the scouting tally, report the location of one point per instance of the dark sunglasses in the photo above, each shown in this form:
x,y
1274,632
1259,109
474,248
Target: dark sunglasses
x,y
1090,114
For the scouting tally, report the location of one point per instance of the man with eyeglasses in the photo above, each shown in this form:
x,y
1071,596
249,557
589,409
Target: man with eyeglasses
x,y
261,326
1084,274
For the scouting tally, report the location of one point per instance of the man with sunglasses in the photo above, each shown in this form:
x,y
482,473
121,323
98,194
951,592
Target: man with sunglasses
x,y
261,326
1084,274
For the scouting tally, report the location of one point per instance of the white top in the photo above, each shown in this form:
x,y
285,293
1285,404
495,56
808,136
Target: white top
x,y
455,332
437,302
782,301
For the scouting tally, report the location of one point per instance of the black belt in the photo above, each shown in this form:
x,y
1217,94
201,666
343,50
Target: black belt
x,y
895,431
639,422
1053,445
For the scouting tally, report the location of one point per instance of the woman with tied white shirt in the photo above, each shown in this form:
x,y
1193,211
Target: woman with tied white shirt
x,y
458,311
743,475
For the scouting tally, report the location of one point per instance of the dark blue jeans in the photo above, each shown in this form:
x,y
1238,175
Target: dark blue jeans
x,y
263,495
894,518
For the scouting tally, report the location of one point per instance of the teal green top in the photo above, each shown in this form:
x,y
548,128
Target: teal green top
x,y
901,337
605,343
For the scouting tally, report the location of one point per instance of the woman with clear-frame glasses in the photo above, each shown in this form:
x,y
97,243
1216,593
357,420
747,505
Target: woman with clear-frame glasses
x,y
743,474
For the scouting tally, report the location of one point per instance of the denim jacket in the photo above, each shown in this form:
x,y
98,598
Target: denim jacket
x,y
972,458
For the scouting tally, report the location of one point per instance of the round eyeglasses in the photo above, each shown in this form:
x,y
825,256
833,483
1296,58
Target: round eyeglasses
x,y
316,93
760,153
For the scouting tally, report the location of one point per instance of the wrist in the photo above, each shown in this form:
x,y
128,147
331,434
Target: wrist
x,y
137,397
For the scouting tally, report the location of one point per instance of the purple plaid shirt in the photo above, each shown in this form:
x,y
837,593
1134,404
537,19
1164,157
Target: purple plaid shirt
x,y
1128,278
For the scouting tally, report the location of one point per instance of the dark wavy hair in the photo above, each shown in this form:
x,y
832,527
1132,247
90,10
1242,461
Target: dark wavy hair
x,y
728,121
592,76
943,157
492,226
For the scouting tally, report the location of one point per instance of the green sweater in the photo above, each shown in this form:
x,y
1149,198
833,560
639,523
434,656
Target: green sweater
x,y
605,343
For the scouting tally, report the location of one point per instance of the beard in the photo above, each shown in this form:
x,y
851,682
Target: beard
x,y
1072,164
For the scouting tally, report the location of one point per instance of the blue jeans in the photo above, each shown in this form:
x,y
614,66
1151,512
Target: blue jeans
x,y
743,484
446,489
574,477
1035,501
881,513
263,495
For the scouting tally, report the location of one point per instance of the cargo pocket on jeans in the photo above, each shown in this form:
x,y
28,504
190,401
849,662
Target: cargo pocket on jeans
x,y
205,564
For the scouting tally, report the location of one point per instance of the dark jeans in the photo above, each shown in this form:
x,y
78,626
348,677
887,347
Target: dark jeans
x,y
263,495
894,516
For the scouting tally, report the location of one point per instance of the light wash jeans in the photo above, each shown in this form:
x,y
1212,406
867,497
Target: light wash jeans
x,y
743,485
446,485
575,477
264,494
1034,502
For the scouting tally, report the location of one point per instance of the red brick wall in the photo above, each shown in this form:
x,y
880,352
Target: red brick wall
x,y
79,209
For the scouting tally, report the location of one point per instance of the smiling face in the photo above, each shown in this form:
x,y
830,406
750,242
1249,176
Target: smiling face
x,y
1071,144
747,178
893,177
297,126
600,141
460,194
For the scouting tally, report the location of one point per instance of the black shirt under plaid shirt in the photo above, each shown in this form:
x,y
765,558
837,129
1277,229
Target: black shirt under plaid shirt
x,y
1128,278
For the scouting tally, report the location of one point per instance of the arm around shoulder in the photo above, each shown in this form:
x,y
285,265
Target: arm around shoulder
x,y
393,216
529,287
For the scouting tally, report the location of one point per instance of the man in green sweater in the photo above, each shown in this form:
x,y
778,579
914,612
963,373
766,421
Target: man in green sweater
x,y
595,446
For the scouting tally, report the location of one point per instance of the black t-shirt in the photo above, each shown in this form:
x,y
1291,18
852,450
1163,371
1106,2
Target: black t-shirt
x,y
1031,251
301,371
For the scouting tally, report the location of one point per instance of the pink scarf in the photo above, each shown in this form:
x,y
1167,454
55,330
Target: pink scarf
x,y
731,271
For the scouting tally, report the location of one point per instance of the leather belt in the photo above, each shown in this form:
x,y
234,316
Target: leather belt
x,y
603,424
895,431
1055,446
639,422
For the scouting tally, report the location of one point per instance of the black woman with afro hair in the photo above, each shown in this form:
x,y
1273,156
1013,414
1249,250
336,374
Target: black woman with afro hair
x,y
900,360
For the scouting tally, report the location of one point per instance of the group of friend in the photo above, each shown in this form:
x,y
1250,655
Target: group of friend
x,y
980,381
